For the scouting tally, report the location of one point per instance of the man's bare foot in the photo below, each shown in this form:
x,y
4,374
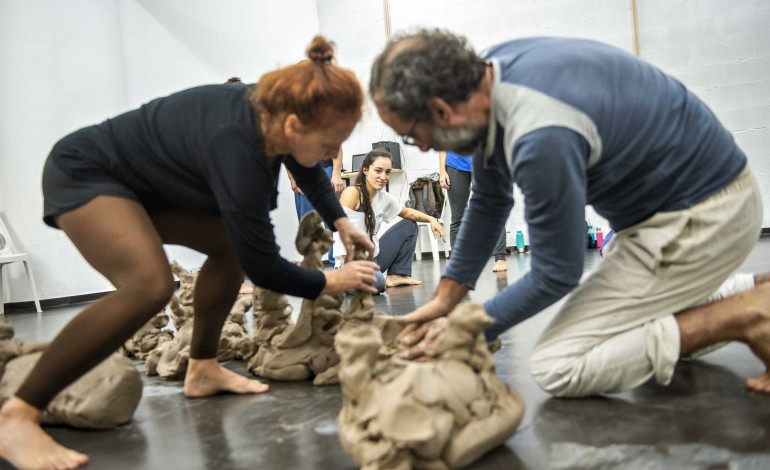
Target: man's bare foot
x,y
24,444
743,317
206,377
395,280
761,278
246,289
758,339
500,266
760,383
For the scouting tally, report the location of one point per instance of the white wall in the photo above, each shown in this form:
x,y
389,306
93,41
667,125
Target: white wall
x,y
62,69
74,63
720,48
69,64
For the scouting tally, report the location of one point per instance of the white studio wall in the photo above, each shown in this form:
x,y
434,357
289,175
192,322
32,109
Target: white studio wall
x,y
721,51
75,63
171,45
719,48
70,64
62,70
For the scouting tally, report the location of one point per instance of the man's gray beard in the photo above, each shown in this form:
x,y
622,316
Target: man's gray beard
x,y
461,140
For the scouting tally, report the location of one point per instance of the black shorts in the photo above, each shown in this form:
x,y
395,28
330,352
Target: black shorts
x,y
77,170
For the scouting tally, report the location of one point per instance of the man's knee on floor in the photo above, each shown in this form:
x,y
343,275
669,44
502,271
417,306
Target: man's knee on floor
x,y
561,377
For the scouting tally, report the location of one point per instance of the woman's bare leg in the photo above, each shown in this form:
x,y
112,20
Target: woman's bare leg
x,y
116,237
216,290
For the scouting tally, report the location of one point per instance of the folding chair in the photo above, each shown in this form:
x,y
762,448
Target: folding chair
x,y
8,256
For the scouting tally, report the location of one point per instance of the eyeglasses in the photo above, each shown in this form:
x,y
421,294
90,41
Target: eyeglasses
x,y
407,138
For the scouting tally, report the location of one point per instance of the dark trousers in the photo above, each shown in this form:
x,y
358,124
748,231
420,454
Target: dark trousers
x,y
397,248
303,206
458,194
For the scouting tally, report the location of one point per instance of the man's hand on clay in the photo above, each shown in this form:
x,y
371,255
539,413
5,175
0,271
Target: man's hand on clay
x,y
431,310
425,336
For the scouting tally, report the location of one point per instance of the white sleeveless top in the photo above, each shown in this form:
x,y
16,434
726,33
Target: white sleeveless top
x,y
385,208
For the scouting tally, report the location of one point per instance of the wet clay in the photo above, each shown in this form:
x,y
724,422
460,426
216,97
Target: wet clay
x,y
169,358
443,413
105,397
304,350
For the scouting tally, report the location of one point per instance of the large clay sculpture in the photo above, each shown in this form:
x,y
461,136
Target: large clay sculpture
x,y
305,350
105,397
442,413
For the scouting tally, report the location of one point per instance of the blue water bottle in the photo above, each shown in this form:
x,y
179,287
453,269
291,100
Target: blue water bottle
x,y
519,241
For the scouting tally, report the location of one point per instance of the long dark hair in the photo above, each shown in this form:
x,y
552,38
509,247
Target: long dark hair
x,y
363,193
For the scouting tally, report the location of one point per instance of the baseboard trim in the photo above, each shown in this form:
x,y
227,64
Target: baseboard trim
x,y
23,307
18,307
29,306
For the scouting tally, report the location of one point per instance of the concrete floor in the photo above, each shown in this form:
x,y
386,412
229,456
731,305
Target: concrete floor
x,y
706,418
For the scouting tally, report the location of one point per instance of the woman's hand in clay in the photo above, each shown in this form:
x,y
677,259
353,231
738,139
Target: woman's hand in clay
x,y
427,334
353,275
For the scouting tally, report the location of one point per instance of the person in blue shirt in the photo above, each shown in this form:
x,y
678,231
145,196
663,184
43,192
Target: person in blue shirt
x,y
576,122
455,176
333,169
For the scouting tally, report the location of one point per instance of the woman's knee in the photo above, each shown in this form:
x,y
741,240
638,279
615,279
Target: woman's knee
x,y
411,227
152,289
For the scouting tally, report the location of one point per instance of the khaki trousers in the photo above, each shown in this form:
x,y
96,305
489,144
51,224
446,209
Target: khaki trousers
x,y
617,329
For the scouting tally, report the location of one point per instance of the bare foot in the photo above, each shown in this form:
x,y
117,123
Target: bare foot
x,y
500,266
758,339
743,317
206,377
24,444
761,278
760,383
395,280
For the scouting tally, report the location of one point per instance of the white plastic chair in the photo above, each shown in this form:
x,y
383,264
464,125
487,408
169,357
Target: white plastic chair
x,y
433,240
8,256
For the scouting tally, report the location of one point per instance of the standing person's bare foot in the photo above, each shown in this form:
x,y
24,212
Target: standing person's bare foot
x,y
395,280
24,444
500,266
206,377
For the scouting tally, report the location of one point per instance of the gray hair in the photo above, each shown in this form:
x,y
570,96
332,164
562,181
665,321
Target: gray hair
x,y
419,66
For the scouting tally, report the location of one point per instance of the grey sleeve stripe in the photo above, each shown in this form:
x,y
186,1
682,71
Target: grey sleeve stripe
x,y
522,110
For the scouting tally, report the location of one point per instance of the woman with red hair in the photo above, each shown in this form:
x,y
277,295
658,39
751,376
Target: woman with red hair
x,y
198,168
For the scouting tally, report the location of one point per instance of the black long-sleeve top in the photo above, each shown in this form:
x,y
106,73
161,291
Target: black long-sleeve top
x,y
201,150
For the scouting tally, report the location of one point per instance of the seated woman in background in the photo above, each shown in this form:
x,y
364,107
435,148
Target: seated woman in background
x,y
367,206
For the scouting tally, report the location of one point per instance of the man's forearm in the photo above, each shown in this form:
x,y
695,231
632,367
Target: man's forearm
x,y
450,292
